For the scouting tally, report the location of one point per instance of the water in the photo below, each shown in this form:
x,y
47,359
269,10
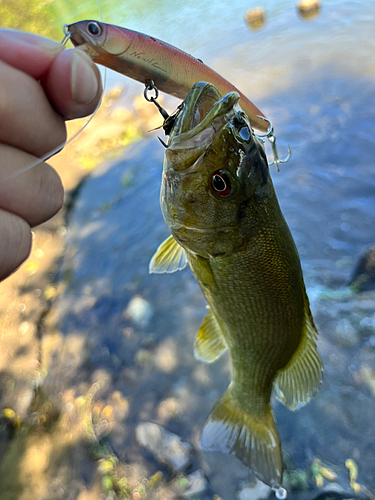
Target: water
x,y
315,81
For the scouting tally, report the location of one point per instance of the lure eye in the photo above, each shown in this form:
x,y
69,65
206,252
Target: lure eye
x,y
221,183
94,28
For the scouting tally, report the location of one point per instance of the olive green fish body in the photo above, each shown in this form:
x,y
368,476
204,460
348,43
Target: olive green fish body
x,y
265,324
261,329
218,200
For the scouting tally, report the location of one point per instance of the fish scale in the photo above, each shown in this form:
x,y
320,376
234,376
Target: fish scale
x,y
242,309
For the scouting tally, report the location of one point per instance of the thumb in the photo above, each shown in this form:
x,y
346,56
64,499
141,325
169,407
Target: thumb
x,y
73,84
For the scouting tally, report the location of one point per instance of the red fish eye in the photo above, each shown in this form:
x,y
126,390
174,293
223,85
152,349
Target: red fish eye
x,y
221,184
94,28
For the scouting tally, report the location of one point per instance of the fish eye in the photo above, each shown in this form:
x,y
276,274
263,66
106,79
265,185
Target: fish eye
x,y
221,183
93,28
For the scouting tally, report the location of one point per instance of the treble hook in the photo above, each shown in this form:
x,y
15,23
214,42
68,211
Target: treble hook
x,y
271,137
149,85
169,120
67,35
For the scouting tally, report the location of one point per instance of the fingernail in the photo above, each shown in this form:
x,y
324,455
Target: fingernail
x,y
83,79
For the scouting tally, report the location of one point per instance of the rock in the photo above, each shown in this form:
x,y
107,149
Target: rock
x,y
256,490
346,334
139,311
168,448
255,18
197,484
168,409
363,277
308,9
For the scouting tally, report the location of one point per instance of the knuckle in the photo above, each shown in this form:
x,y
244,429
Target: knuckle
x,y
15,243
48,195
6,105
52,193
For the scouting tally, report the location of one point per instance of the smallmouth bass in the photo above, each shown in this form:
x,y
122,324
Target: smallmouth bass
x,y
219,203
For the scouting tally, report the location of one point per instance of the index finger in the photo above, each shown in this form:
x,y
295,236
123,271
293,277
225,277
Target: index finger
x,y
29,53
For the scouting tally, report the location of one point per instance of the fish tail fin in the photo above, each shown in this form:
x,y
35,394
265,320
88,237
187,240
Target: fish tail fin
x,y
300,379
251,438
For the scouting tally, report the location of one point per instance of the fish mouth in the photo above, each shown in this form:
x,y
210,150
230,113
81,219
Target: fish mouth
x,y
203,115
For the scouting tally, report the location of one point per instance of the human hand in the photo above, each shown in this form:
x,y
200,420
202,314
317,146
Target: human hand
x,y
41,86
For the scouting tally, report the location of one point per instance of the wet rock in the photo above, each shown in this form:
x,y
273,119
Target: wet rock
x,y
256,490
296,480
166,359
335,491
167,447
346,335
168,408
368,377
364,274
255,18
139,311
143,357
308,9
196,484
367,326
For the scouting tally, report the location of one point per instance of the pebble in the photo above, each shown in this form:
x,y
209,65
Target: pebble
x,y
308,8
167,447
197,484
254,491
168,408
24,327
363,277
255,18
346,334
368,324
139,311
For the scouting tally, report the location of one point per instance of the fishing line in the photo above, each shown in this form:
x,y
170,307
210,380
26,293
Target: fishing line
x,y
65,143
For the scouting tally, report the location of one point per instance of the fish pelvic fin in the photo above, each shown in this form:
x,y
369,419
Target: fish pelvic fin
x,y
168,258
299,380
209,344
251,438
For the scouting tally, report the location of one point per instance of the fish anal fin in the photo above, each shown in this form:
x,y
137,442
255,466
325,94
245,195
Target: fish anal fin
x,y
209,344
168,258
252,439
299,380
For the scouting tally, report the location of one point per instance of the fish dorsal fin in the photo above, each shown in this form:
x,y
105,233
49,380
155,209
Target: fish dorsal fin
x,y
168,258
209,344
300,379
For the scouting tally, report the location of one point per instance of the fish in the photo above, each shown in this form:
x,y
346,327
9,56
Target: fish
x,y
219,203
145,59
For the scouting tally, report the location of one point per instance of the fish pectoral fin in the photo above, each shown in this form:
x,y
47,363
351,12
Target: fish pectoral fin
x,y
168,258
253,439
209,344
300,379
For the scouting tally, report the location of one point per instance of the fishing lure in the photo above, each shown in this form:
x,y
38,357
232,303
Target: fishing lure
x,y
158,65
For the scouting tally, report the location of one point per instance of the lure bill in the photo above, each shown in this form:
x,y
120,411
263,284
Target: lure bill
x,y
145,59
